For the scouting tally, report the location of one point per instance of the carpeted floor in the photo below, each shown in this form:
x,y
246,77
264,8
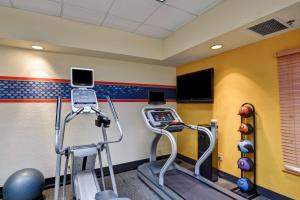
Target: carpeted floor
x,y
129,185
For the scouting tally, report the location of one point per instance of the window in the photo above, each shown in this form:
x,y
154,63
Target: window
x,y
289,89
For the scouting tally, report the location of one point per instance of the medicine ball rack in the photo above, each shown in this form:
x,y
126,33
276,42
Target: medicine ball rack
x,y
252,136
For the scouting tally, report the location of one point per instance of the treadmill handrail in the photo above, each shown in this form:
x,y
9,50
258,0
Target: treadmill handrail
x,y
171,158
171,138
207,153
209,150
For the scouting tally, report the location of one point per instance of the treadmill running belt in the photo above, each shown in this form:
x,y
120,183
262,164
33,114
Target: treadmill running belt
x,y
191,189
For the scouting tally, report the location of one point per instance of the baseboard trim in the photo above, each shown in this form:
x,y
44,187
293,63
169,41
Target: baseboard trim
x,y
261,190
124,167
186,159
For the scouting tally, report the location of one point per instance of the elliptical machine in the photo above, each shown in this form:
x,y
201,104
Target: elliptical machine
x,y
84,181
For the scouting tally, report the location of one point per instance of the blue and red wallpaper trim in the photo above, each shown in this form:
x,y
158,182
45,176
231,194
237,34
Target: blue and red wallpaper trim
x,y
26,89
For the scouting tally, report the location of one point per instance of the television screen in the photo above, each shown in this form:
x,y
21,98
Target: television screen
x,y
156,97
82,77
196,87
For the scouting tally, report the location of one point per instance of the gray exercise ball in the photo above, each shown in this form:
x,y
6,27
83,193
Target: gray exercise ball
x,y
25,184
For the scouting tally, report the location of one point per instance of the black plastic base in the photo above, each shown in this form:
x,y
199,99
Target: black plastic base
x,y
247,195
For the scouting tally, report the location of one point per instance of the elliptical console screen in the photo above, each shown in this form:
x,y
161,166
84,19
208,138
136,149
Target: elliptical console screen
x,y
82,77
162,116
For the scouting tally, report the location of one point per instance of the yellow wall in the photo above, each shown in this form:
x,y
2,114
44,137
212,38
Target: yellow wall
x,y
246,74
192,114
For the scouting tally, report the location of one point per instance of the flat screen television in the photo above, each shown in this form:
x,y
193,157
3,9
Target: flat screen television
x,y
196,87
156,98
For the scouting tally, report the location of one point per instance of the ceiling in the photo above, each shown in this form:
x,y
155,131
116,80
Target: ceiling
x,y
224,21
237,37
143,17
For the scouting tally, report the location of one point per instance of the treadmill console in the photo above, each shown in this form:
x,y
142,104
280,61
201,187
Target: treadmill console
x,y
160,118
84,98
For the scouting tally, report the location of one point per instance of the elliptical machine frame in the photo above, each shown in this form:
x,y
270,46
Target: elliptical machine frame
x,y
85,185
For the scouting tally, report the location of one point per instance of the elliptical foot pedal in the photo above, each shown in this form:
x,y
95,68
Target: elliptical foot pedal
x,y
108,195
105,195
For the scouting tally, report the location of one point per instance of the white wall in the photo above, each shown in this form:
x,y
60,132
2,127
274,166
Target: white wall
x,y
27,129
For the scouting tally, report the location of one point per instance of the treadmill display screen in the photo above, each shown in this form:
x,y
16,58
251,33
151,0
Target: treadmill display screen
x,y
162,116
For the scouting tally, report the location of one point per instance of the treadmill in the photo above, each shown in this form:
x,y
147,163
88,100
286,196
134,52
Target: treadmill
x,y
169,180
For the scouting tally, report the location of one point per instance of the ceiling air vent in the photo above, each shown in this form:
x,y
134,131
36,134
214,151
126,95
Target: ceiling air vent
x,y
268,27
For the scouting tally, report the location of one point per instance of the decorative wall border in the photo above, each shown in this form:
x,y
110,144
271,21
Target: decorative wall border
x,y
45,90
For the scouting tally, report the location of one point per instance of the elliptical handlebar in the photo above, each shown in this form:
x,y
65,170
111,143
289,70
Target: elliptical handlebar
x,y
112,108
58,124
67,118
73,115
58,113
98,112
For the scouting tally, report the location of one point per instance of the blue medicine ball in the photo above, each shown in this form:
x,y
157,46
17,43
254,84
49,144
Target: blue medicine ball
x,y
245,185
25,184
246,146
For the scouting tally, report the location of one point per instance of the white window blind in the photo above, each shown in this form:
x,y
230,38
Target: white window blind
x,y
289,89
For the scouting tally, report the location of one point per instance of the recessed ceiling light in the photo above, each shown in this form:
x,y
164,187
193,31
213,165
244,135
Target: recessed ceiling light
x,y
37,47
161,1
216,46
